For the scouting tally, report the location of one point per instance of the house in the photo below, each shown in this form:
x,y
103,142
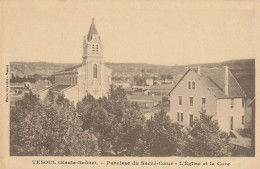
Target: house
x,y
90,77
149,82
212,89
18,89
158,82
246,79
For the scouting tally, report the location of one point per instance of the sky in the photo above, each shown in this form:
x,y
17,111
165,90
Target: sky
x,y
137,31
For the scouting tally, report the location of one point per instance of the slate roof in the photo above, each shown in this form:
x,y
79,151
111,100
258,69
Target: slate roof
x,y
246,79
217,77
69,69
17,85
60,88
161,88
214,79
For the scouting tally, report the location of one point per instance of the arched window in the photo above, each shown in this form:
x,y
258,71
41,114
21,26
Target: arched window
x,y
189,85
95,71
93,49
193,85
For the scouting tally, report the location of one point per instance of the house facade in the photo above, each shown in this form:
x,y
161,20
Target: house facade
x,y
89,77
149,82
246,79
211,89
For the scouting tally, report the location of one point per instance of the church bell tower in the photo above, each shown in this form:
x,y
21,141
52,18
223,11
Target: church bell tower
x,y
92,46
93,61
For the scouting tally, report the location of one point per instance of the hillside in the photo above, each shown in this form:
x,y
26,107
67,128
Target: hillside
x,y
47,68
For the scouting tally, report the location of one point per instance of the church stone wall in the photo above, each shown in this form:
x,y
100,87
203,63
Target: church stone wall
x,y
73,94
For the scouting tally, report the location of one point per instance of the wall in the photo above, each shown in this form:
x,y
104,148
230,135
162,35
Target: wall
x,y
248,114
82,81
107,80
201,91
72,94
94,84
225,112
96,42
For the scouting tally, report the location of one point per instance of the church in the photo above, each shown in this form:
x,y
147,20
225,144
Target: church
x,y
89,77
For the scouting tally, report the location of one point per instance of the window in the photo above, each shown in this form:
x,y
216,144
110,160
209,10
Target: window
x,y
243,102
95,71
93,49
97,49
180,100
243,119
191,120
179,116
191,101
193,85
231,103
203,102
189,85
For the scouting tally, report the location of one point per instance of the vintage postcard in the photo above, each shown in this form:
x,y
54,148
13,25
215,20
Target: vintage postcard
x,y
129,84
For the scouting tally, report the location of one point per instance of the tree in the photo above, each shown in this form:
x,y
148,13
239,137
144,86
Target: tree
x,y
162,137
115,121
51,79
128,123
127,132
12,80
140,81
95,118
205,139
49,128
21,132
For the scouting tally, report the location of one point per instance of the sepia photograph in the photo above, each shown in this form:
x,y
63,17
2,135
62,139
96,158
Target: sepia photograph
x,y
133,79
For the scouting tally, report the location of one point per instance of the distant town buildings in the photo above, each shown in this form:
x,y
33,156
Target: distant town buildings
x,y
123,84
162,89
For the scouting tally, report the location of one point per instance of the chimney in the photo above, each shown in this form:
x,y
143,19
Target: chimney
x,y
198,70
226,80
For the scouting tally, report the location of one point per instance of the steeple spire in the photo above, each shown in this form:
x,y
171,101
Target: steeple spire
x,y
92,30
84,40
